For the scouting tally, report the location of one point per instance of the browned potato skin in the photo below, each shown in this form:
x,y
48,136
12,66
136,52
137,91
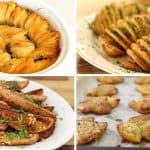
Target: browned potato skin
x,y
13,99
86,132
4,105
110,80
129,64
35,92
140,106
20,84
142,80
98,105
103,90
33,138
47,133
33,123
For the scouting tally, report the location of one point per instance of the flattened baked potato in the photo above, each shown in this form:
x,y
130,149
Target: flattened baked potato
x,y
98,105
103,90
89,130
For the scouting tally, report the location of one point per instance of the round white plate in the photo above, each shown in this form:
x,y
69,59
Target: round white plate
x,y
49,13
64,125
90,49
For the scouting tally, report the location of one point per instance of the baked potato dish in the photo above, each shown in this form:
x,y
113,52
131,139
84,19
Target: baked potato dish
x,y
141,106
136,129
103,90
24,119
98,105
28,43
123,31
89,130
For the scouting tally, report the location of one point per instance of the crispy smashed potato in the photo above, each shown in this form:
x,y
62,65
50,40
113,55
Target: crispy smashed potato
x,y
142,80
103,90
136,129
144,89
110,80
89,130
98,105
141,106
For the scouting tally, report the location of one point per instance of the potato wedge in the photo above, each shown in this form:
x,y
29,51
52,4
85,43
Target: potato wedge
x,y
6,139
32,123
13,99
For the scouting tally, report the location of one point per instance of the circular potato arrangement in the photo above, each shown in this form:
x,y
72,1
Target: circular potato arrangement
x,y
124,33
28,43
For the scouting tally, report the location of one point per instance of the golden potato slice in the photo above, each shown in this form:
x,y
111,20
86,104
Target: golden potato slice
x,y
3,10
128,63
142,53
111,47
138,61
117,38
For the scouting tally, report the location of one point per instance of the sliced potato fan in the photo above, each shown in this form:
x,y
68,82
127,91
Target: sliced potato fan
x,y
124,30
22,33
110,14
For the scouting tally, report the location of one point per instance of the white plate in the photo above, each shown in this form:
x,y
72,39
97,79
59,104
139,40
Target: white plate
x,y
122,112
49,13
90,49
64,124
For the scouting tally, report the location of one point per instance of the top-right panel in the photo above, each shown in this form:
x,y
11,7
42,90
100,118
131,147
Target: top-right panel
x,y
113,36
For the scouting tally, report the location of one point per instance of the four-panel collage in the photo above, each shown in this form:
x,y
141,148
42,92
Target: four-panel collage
x,y
74,74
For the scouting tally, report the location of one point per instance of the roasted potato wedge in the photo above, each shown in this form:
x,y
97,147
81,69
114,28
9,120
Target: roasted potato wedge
x,y
8,139
14,85
13,99
32,123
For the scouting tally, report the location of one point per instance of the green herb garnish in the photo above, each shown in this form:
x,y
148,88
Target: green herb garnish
x,y
17,134
3,121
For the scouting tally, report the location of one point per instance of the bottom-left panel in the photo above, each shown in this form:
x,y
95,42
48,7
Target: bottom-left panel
x,y
36,112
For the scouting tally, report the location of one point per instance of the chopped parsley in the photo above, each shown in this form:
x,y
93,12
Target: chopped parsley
x,y
3,121
17,134
9,85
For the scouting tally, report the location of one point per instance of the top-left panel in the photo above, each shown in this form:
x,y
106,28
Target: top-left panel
x,y
35,37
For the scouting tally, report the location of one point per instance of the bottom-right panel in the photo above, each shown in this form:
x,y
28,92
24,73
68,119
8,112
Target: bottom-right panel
x,y
113,112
